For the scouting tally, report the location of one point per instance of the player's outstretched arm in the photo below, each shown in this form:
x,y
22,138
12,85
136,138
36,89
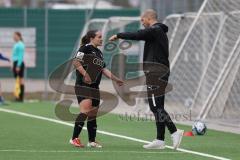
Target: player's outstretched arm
x,y
111,76
143,34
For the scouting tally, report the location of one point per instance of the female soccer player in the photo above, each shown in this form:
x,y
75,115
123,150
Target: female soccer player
x,y
89,53
18,64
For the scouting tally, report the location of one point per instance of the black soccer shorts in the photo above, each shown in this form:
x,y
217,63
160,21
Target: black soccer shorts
x,y
19,74
93,93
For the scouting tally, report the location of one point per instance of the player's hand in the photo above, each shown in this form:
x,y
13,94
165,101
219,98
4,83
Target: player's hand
x,y
120,82
113,38
17,69
87,78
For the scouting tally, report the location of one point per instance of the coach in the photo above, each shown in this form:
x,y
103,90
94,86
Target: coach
x,y
156,50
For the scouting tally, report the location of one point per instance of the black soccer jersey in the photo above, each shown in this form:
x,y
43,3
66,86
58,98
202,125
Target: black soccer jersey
x,y
91,59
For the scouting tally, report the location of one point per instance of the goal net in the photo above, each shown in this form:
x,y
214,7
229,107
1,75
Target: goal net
x,y
204,69
178,26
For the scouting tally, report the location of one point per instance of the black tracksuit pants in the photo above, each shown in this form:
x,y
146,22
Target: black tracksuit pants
x,y
156,104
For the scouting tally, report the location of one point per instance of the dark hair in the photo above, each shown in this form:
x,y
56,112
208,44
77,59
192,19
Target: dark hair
x,y
19,35
86,39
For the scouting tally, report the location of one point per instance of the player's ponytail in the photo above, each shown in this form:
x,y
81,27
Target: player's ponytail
x,y
87,38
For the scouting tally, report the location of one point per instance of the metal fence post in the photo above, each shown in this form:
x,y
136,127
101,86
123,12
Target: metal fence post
x,y
46,53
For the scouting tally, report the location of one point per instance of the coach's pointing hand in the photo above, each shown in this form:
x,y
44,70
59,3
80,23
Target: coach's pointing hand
x,y
113,38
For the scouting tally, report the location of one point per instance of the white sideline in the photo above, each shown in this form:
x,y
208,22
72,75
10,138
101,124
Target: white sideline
x,y
108,133
84,151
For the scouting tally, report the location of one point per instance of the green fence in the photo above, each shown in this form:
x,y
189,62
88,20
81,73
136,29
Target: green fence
x,y
64,28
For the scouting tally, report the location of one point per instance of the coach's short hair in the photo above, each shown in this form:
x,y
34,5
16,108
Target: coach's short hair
x,y
150,13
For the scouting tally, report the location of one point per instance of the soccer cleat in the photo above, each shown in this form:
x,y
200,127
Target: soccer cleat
x,y
177,138
155,144
76,142
94,145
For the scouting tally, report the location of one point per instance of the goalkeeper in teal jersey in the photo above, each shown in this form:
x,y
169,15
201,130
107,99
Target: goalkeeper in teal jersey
x,y
18,63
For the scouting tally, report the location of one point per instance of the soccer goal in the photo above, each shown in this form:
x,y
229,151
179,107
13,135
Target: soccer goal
x,y
178,26
205,67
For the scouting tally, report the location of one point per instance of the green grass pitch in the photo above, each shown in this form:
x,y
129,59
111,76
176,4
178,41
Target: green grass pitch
x,y
26,138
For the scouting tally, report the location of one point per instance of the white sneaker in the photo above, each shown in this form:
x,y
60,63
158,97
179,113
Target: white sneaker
x,y
155,144
94,145
177,138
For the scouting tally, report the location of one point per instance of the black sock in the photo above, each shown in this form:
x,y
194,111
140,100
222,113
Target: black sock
x,y
79,123
21,95
92,128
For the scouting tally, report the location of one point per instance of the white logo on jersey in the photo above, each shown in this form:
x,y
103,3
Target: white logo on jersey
x,y
98,62
80,55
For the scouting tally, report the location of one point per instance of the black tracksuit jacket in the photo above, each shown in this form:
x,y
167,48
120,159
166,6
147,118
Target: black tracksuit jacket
x,y
156,43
